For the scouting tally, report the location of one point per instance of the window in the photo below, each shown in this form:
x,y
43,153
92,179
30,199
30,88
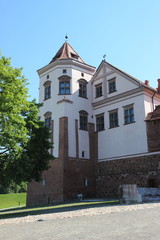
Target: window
x,y
112,85
83,154
83,88
128,114
74,56
85,182
48,76
47,90
100,122
82,74
48,119
98,90
64,71
113,118
83,119
64,85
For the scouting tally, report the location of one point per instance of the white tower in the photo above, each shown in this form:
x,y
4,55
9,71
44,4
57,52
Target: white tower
x,y
65,91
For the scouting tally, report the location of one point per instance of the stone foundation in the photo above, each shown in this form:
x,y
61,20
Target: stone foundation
x,y
143,171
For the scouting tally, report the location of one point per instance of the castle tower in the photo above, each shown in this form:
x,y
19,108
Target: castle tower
x,y
65,91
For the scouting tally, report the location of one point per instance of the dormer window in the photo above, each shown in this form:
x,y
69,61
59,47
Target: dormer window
x,y
47,90
74,56
112,85
64,85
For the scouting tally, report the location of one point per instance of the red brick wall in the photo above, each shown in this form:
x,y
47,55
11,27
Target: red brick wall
x,y
75,171
153,135
65,179
52,191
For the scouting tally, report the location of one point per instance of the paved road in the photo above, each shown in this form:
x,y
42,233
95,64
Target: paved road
x,y
124,225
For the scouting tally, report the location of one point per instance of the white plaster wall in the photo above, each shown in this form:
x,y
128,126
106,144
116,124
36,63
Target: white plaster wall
x,y
122,85
72,111
67,109
150,104
125,139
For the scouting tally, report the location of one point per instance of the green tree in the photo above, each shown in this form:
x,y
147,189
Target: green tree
x,y
24,139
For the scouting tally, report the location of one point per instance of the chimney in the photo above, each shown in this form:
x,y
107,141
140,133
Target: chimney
x,y
146,82
158,89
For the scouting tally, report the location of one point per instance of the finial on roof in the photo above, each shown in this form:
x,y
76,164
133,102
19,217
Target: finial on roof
x,y
66,37
104,57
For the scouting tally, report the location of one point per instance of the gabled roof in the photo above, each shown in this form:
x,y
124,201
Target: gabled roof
x,y
67,52
122,73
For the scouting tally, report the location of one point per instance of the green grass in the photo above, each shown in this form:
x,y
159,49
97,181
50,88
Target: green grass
x,y
19,212
12,200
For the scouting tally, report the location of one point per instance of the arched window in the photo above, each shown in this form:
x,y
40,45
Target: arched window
x,y
48,119
83,120
83,88
47,90
64,85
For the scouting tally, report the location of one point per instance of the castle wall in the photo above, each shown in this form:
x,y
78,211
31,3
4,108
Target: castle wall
x,y
50,189
142,170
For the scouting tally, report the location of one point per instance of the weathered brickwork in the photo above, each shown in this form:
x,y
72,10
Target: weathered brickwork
x,y
153,135
50,189
67,177
143,171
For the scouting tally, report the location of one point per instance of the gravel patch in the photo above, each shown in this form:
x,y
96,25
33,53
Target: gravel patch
x,y
79,213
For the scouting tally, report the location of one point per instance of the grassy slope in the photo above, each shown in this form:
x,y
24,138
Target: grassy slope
x,y
19,212
12,200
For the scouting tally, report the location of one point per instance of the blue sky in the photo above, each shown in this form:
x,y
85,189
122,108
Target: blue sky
x,y
127,31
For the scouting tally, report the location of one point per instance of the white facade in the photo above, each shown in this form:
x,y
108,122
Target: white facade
x,y
67,105
113,142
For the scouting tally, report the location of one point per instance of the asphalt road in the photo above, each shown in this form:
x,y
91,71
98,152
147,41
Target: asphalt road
x,y
130,225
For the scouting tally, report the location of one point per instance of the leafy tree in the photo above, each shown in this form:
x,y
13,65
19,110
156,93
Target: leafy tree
x,y
24,139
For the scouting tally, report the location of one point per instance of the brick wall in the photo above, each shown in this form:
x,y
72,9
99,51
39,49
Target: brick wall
x,y
153,135
138,170
67,176
50,189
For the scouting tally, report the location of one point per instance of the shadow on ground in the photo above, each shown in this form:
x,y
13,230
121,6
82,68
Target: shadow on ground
x,y
56,208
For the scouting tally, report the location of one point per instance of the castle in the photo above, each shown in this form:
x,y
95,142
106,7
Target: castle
x,y
105,129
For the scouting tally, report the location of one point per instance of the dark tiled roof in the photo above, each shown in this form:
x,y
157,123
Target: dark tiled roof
x,y
67,52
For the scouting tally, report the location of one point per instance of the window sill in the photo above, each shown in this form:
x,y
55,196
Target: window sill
x,y
83,97
112,92
113,127
47,99
99,96
83,129
63,94
100,130
129,123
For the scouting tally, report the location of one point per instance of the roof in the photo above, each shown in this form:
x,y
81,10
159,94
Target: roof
x,y
126,74
67,52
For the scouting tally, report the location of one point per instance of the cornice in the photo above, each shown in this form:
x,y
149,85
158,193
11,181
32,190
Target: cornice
x,y
66,62
117,97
